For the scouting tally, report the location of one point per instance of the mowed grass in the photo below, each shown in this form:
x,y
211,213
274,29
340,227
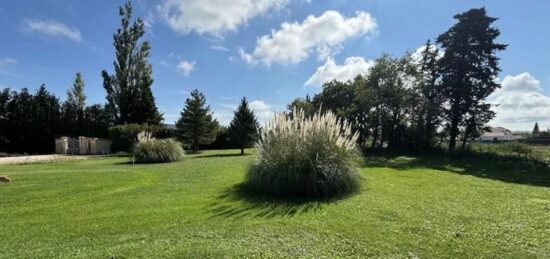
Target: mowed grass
x,y
409,208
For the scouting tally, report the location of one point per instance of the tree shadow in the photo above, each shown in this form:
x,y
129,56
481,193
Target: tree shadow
x,y
221,155
507,169
240,201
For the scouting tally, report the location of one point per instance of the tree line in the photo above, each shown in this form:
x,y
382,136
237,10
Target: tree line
x,y
420,101
414,101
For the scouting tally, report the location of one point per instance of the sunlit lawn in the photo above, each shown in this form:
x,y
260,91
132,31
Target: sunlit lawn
x,y
410,207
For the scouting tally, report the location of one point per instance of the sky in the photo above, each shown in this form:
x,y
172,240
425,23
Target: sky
x,y
270,51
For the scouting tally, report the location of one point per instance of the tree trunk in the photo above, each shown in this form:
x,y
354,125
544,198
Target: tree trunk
x,y
453,133
242,151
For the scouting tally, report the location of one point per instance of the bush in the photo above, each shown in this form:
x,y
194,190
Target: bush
x,y
124,136
309,157
152,150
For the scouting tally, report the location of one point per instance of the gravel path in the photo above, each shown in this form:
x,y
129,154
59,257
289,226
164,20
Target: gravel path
x,y
40,159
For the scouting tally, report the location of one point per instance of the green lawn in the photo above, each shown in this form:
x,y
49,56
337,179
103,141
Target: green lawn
x,y
409,208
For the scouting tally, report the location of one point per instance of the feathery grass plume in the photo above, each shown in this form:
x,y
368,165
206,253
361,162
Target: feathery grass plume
x,y
308,157
151,150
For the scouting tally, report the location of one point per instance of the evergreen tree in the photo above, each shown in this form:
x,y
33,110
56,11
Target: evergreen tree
x,y
129,90
73,110
196,125
469,67
536,130
244,126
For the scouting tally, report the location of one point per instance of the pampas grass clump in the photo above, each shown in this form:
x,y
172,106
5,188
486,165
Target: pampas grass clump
x,y
152,150
307,157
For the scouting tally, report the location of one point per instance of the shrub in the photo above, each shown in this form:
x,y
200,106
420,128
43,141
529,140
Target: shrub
x,y
152,150
124,136
309,157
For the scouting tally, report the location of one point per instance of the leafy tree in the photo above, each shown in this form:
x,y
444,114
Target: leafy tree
x,y
536,130
243,128
337,97
427,98
97,121
129,94
196,125
304,104
468,68
384,94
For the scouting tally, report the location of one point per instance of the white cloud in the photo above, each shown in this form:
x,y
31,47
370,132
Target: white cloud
x,y
521,103
7,61
219,48
186,67
213,16
259,105
261,109
294,42
53,28
352,67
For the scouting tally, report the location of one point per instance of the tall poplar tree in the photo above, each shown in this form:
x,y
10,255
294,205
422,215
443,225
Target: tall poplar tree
x,y
469,68
129,94
73,110
196,125
244,126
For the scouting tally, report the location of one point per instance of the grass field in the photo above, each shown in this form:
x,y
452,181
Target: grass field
x,y
410,207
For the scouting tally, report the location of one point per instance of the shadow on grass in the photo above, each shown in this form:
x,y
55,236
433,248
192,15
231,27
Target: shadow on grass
x,y
221,155
240,201
483,165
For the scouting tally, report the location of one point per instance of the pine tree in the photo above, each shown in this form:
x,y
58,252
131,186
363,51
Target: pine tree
x,y
129,90
536,130
196,125
244,126
469,67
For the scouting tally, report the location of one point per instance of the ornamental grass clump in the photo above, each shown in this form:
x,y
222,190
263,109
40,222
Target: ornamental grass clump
x,y
306,157
152,150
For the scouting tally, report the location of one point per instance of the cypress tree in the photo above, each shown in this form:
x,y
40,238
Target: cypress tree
x,y
469,67
196,125
129,90
244,126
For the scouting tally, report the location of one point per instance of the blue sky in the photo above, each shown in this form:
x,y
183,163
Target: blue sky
x,y
270,51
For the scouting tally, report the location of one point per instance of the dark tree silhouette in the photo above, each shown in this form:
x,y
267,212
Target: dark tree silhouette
x,y
469,67
244,126
196,125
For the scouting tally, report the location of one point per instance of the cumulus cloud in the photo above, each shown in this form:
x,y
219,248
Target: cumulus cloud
x,y
213,16
520,103
186,67
53,29
352,67
324,34
261,109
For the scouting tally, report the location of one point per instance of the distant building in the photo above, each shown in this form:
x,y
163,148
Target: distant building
x,y
498,134
83,146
